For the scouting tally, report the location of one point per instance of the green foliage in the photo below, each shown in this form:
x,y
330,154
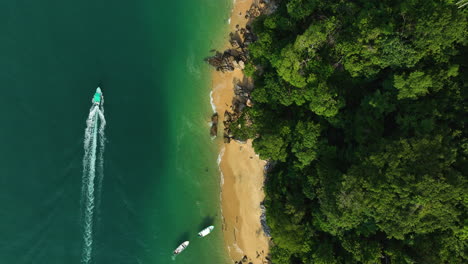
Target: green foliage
x,y
324,101
305,144
300,8
362,107
412,86
407,187
249,69
242,127
271,146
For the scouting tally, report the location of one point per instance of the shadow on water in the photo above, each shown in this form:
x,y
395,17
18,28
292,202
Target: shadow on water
x,y
183,237
207,221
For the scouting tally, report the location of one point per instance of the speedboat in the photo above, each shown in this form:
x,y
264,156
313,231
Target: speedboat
x,y
181,248
98,98
206,231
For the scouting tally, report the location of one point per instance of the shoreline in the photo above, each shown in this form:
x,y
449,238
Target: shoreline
x,y
241,170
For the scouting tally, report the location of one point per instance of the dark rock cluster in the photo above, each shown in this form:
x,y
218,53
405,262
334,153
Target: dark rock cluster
x,y
265,227
240,101
214,125
237,55
246,260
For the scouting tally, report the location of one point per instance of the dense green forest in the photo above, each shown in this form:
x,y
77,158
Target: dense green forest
x,y
361,106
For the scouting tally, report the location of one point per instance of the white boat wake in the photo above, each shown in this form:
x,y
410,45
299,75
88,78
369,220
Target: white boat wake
x,y
93,161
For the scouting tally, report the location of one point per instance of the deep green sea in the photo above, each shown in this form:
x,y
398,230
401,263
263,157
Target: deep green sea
x,y
161,183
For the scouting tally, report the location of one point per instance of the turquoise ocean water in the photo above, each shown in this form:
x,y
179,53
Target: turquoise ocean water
x,y
160,183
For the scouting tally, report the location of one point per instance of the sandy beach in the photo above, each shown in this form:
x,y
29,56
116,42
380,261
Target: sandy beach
x,y
242,170
241,196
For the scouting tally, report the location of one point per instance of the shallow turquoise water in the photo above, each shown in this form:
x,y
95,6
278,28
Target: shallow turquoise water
x,y
161,184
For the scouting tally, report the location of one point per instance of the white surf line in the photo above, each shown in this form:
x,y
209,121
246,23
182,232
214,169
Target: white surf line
x,y
213,106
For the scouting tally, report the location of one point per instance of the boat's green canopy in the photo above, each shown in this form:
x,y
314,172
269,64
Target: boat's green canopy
x,y
97,97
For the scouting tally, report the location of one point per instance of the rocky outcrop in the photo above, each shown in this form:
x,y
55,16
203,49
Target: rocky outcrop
x,y
237,56
265,227
222,61
268,6
233,58
257,10
241,97
214,125
241,100
227,131
229,60
261,256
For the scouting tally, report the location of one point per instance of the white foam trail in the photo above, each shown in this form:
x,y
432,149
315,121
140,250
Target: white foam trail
x,y
87,140
102,145
213,106
89,195
94,135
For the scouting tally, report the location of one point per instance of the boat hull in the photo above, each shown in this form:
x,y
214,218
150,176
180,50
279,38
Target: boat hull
x,y
98,98
205,231
181,248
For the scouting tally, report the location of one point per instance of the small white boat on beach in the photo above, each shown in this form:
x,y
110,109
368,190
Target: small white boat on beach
x,y
181,248
206,231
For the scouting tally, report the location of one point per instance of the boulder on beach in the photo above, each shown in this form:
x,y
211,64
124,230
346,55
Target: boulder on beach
x,y
214,118
263,222
241,65
214,125
234,44
249,103
227,116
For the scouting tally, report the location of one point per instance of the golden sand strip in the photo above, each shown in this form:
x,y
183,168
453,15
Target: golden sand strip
x,y
242,170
